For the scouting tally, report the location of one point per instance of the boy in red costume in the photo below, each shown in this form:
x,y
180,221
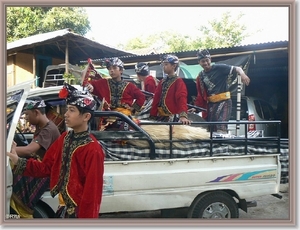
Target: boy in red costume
x,y
74,162
120,96
148,82
170,97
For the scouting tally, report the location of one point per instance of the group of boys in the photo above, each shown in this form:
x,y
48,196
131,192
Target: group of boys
x,y
74,160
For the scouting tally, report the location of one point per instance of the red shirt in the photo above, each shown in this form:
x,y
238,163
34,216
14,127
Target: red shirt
x,y
201,99
171,95
117,94
150,84
85,179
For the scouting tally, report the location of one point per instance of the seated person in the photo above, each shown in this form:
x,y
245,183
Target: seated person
x,y
28,190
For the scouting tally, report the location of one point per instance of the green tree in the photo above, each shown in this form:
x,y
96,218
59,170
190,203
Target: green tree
x,y
166,41
226,32
27,21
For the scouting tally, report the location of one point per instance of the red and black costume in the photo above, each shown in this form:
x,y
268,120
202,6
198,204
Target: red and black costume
x,y
119,94
150,84
170,98
74,164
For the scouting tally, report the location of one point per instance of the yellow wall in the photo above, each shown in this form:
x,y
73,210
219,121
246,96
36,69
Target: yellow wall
x,y
20,68
24,67
10,71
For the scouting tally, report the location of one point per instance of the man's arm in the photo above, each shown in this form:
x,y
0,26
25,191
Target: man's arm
x,y
245,79
27,151
138,96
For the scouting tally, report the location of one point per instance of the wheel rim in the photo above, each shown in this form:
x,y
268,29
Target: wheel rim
x,y
216,210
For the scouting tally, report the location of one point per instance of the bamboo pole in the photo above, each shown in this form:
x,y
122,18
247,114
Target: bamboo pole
x,y
238,103
34,68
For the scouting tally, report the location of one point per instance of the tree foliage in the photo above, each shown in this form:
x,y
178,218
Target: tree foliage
x,y
226,32
27,21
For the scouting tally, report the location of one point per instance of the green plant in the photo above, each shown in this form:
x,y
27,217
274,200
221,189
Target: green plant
x,y
71,79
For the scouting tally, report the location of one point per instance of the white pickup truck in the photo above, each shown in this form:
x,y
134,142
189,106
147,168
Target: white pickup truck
x,y
212,177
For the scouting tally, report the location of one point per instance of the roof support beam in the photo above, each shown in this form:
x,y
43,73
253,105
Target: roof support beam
x,y
67,56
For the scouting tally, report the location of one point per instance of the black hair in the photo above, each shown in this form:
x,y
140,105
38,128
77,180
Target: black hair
x,y
177,65
83,111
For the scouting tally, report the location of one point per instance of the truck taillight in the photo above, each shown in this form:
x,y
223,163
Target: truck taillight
x,y
251,127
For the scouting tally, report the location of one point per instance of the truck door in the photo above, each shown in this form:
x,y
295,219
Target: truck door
x,y
16,97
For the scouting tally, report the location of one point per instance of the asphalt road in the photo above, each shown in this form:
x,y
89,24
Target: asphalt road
x,y
268,207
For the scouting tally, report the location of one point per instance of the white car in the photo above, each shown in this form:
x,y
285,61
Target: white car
x,y
254,109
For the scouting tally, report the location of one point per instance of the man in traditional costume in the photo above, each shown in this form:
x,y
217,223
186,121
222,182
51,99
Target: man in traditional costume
x,y
74,162
213,89
27,190
170,97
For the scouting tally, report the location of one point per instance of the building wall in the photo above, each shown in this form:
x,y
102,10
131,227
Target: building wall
x,y
56,61
20,68
10,71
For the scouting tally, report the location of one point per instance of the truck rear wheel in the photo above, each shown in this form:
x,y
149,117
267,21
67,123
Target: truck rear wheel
x,y
214,205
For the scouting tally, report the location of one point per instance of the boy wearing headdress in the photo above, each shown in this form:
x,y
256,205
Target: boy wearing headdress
x,y
170,97
213,89
27,190
148,82
74,162
120,95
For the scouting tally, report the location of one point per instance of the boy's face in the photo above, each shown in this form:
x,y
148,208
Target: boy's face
x,y
205,63
169,68
74,119
115,72
140,77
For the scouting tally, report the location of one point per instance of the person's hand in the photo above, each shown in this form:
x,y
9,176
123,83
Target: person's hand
x,y
13,154
89,87
245,79
13,146
191,110
185,121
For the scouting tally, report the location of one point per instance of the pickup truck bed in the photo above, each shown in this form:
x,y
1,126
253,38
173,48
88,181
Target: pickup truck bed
x,y
132,145
212,177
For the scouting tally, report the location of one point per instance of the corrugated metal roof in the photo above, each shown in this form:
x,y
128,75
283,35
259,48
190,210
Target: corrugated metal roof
x,y
54,43
193,53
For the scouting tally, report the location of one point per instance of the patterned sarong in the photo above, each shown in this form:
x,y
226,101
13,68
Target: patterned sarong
x,y
219,111
26,193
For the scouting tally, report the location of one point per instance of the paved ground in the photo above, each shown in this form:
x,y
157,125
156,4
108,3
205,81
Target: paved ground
x,y
268,207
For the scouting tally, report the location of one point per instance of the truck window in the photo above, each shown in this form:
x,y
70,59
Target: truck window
x,y
258,109
268,112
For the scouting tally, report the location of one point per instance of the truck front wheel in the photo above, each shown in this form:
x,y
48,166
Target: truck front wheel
x,y
214,205
40,212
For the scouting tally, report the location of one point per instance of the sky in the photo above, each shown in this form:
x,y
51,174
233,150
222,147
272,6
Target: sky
x,y
114,25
